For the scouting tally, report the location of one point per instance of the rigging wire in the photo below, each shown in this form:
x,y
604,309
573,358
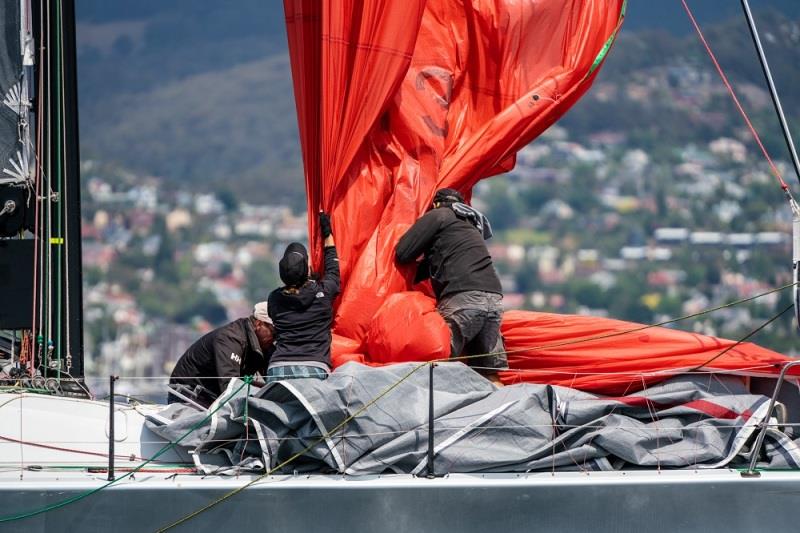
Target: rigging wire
x,y
327,435
270,471
773,167
36,194
68,339
743,339
49,211
60,185
40,211
776,101
632,330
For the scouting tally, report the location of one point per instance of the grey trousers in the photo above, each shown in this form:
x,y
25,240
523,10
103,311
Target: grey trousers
x,y
474,321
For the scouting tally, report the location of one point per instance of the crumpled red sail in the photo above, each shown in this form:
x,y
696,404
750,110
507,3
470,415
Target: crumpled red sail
x,y
407,327
397,99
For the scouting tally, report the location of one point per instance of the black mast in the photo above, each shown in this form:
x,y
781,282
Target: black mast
x,y
74,344
59,338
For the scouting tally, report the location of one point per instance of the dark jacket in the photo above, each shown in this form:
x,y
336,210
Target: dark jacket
x,y
229,351
303,319
455,253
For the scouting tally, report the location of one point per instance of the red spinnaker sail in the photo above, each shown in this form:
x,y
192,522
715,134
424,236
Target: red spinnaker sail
x,y
396,99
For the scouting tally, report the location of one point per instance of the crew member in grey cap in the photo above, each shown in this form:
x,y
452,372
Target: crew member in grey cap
x,y
241,348
302,311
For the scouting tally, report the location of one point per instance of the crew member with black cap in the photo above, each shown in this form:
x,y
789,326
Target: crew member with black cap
x,y
302,311
469,297
241,348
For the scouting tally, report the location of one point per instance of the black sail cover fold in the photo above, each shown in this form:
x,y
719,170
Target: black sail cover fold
x,y
10,86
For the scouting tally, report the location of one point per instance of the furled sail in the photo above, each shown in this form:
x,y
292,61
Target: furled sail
x,y
11,91
398,99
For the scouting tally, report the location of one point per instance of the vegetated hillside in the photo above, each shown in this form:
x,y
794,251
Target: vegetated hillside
x,y
670,16
200,92
655,86
211,129
196,91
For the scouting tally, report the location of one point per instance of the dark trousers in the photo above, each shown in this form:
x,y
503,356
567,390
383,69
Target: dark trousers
x,y
474,320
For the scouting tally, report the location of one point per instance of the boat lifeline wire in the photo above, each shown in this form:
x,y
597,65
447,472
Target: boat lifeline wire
x,y
583,339
366,406
636,329
299,454
159,453
247,382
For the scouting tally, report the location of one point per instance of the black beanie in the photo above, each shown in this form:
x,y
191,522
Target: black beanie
x,y
293,267
448,196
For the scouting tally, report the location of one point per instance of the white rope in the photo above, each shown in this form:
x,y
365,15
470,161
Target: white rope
x,y
522,370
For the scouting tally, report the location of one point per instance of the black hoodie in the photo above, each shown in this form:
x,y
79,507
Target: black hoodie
x,y
303,318
455,254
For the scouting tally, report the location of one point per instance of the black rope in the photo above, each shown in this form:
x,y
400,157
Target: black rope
x,y
743,339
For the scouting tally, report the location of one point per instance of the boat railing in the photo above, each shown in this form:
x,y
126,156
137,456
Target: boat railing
x,y
751,471
433,425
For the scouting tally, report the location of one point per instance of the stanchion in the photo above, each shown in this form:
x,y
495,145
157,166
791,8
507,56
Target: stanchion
x,y
111,380
431,469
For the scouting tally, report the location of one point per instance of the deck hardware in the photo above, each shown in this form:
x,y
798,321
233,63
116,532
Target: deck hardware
x,y
764,424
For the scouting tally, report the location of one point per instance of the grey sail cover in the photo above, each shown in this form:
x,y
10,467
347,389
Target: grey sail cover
x,y
10,88
337,425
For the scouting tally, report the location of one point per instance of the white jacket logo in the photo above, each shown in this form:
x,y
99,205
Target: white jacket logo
x,y
236,358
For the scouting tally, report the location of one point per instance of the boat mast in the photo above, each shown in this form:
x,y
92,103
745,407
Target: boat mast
x,y
70,311
59,342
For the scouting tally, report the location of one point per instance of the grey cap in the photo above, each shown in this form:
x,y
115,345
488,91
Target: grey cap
x,y
261,312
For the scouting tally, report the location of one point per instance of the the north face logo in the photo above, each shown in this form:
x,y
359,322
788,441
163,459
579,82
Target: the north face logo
x,y
236,358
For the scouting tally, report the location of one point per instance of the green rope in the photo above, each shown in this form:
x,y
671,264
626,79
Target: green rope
x,y
297,455
19,389
607,46
395,385
81,496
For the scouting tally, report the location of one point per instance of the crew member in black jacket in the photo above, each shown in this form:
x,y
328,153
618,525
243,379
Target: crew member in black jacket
x,y
469,297
302,312
240,348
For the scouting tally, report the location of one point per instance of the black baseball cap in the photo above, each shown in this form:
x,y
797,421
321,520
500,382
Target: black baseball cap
x,y
448,196
293,267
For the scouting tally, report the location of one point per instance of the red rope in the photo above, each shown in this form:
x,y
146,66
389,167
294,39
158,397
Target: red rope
x,y
70,450
733,95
